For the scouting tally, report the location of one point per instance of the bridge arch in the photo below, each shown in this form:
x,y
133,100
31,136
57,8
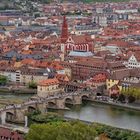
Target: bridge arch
x,y
84,98
51,104
9,116
31,109
68,100
98,94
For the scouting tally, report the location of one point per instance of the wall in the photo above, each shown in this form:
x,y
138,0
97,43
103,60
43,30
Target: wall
x,y
110,83
10,75
28,78
44,91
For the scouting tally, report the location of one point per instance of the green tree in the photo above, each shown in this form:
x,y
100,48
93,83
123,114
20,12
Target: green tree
x,y
121,98
132,91
131,99
32,85
44,118
62,131
3,80
116,133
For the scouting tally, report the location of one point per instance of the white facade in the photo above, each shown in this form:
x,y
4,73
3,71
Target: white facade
x,y
112,48
122,11
132,80
132,62
10,75
80,32
103,21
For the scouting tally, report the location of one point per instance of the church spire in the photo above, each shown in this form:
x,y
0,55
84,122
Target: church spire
x,y
64,32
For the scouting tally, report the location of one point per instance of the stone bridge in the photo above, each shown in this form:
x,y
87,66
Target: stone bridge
x,y
17,113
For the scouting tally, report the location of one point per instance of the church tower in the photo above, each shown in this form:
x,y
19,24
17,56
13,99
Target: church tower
x,y
64,34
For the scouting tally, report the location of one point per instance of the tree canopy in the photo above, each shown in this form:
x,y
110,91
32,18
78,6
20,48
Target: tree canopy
x,y
132,91
76,130
32,85
62,131
44,118
3,80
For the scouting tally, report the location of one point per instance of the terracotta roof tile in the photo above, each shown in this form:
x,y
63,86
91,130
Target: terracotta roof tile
x,y
48,82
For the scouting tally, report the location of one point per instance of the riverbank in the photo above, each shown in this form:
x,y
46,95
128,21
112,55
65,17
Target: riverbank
x,y
122,106
9,97
100,124
106,114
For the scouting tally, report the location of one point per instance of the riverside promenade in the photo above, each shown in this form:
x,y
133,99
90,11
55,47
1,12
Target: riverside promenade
x,y
119,105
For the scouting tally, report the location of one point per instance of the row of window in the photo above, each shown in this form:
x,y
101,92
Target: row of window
x,y
8,138
49,89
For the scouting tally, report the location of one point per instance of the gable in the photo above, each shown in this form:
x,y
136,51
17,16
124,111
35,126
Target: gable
x,y
132,59
70,40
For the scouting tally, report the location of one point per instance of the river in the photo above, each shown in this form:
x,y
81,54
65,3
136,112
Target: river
x,y
106,114
12,96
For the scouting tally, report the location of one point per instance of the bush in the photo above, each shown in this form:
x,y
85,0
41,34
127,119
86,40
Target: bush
x,y
131,99
3,80
32,85
44,118
61,131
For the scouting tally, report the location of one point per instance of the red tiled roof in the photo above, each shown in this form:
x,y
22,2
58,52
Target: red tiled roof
x,y
7,133
48,82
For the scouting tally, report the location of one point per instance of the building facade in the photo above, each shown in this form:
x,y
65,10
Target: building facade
x,y
48,87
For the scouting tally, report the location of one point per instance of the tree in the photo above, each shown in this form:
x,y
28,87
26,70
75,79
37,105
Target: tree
x,y
62,131
121,98
32,85
44,118
131,99
116,133
114,97
3,80
132,91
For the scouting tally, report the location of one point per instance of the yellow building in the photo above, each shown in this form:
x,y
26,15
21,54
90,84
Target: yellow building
x,y
68,72
111,82
48,87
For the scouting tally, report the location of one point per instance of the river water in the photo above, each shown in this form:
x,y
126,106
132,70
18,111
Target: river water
x,y
106,114
12,96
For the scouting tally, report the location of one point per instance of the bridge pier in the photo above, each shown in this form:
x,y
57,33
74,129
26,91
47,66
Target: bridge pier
x,y
3,117
60,103
77,100
20,115
42,107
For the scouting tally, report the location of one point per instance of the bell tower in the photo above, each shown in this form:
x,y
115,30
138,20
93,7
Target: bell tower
x,y
64,34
